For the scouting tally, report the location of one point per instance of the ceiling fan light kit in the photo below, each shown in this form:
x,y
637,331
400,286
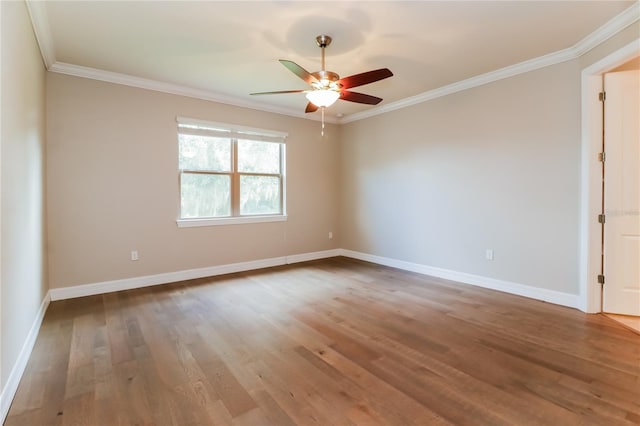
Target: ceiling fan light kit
x,y
323,97
327,86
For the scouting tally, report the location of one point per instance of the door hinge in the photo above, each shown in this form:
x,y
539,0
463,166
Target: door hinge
x,y
600,279
602,157
601,218
602,96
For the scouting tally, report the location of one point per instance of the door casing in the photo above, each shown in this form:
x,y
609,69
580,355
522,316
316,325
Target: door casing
x,y
591,175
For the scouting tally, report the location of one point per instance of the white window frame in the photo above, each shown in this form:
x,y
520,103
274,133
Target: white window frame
x,y
235,132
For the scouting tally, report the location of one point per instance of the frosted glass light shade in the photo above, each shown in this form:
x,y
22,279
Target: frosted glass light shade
x,y
323,98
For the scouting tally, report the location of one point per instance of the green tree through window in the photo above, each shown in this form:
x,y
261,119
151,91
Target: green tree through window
x,y
229,173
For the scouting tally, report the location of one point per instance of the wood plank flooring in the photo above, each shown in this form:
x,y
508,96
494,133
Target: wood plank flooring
x,y
331,342
631,322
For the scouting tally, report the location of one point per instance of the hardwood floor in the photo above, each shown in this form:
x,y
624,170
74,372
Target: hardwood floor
x,y
631,322
335,341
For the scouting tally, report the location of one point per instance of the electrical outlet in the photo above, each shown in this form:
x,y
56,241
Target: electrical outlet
x,y
134,255
330,235
488,254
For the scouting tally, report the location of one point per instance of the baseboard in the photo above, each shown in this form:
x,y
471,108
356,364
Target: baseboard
x,y
306,257
551,296
11,387
189,274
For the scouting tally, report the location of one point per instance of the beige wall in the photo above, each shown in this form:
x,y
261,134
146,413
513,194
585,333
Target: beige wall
x,y
494,167
113,185
23,262
436,184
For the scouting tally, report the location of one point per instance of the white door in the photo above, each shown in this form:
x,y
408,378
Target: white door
x,y
622,193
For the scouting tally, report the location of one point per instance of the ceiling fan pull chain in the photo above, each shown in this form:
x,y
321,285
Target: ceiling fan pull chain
x,y
322,131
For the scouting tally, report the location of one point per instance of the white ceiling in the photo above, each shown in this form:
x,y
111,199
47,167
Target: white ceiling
x,y
227,50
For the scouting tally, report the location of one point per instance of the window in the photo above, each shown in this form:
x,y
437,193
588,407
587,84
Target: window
x,y
229,174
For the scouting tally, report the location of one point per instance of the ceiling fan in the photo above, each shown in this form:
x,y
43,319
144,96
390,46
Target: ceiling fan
x,y
327,86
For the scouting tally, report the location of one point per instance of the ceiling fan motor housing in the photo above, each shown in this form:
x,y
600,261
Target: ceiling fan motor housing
x,y
326,80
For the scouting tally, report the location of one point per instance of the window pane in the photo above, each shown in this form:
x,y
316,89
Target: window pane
x,y
203,195
204,153
258,157
259,195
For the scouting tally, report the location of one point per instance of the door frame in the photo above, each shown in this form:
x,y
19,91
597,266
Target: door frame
x,y
590,295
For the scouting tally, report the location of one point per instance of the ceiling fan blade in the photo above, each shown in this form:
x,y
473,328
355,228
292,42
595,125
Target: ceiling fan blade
x,y
278,92
365,78
360,98
310,107
299,71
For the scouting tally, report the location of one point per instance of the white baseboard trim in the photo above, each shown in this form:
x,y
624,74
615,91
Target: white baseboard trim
x,y
556,297
11,387
165,278
551,296
189,274
305,257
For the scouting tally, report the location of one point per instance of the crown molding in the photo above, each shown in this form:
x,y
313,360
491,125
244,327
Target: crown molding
x,y
459,86
40,23
174,89
608,30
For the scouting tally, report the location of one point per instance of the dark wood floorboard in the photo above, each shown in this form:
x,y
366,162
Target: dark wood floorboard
x,y
331,342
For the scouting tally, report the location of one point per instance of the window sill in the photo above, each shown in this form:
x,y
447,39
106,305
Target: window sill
x,y
189,223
